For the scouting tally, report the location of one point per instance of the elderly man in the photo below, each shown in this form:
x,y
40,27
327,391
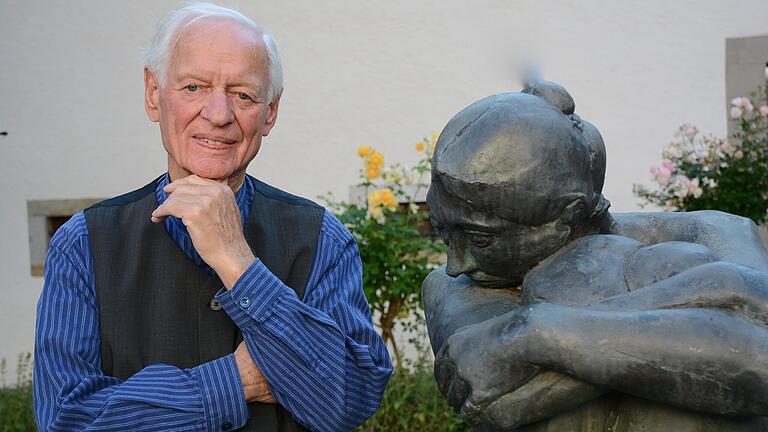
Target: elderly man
x,y
206,300
554,315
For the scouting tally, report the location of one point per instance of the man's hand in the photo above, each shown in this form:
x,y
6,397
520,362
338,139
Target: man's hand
x,y
484,361
210,213
255,386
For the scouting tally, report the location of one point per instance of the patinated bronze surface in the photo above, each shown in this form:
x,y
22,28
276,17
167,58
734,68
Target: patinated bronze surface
x,y
553,314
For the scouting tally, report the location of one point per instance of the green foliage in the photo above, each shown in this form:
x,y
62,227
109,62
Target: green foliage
x,y
413,403
704,172
16,402
396,255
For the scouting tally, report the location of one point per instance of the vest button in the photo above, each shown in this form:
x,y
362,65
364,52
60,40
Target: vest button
x,y
245,302
215,305
226,426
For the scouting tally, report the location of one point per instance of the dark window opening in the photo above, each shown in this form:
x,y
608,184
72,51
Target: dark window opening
x,y
54,223
45,217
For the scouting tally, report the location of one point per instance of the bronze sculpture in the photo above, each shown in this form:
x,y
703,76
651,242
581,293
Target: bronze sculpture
x,y
552,314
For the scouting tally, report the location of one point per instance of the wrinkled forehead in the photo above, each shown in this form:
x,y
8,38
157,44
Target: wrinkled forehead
x,y
219,35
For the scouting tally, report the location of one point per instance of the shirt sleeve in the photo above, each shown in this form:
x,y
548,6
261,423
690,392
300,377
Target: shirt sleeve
x,y
71,392
324,361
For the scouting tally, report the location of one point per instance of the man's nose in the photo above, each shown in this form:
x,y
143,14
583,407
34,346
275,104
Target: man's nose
x,y
218,109
459,259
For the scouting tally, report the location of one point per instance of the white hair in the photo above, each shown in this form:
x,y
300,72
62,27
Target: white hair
x,y
170,28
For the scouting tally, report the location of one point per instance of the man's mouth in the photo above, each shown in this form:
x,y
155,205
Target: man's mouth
x,y
213,142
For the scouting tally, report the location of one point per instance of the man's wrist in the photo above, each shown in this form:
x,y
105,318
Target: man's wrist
x,y
231,269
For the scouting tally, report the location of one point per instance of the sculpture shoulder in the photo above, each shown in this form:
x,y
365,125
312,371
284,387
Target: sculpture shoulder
x,y
657,262
589,269
731,238
596,267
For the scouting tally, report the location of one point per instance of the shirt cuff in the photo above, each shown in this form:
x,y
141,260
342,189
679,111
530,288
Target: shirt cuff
x,y
254,295
222,392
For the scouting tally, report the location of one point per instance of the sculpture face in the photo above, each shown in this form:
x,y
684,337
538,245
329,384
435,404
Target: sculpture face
x,y
512,182
493,252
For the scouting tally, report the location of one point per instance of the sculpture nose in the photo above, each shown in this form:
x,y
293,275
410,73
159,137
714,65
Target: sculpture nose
x,y
459,259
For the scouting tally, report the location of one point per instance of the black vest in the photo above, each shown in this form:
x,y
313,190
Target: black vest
x,y
155,303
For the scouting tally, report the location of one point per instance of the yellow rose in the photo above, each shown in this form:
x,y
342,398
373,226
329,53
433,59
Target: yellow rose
x,y
372,172
376,213
435,137
364,151
387,198
382,197
376,159
373,198
419,146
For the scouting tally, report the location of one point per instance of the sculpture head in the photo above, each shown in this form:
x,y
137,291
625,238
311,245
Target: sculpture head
x,y
514,180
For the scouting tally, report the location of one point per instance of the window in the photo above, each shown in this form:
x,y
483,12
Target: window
x,y
45,217
746,68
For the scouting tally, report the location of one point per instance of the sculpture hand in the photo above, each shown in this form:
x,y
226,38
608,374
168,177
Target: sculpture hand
x,y
484,361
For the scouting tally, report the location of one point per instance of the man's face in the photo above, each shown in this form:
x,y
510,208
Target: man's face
x,y
212,109
493,252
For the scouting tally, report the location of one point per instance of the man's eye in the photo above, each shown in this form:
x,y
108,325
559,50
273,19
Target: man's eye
x,y
244,96
191,88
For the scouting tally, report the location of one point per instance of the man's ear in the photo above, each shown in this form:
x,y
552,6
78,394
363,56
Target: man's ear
x,y
151,96
269,123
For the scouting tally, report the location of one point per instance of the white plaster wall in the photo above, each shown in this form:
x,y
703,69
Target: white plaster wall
x,y
382,73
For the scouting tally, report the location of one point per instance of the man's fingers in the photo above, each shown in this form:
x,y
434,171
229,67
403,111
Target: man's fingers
x,y
174,189
208,190
181,206
194,180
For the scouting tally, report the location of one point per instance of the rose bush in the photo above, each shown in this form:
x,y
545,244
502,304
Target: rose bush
x,y
701,172
389,228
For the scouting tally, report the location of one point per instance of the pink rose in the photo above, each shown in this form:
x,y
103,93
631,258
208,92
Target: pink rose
x,y
663,175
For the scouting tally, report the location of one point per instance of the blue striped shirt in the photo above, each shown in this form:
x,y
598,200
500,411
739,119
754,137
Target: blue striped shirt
x,y
323,359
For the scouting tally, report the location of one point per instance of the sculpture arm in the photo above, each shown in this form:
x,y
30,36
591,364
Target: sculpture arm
x,y
452,304
702,359
701,332
718,314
